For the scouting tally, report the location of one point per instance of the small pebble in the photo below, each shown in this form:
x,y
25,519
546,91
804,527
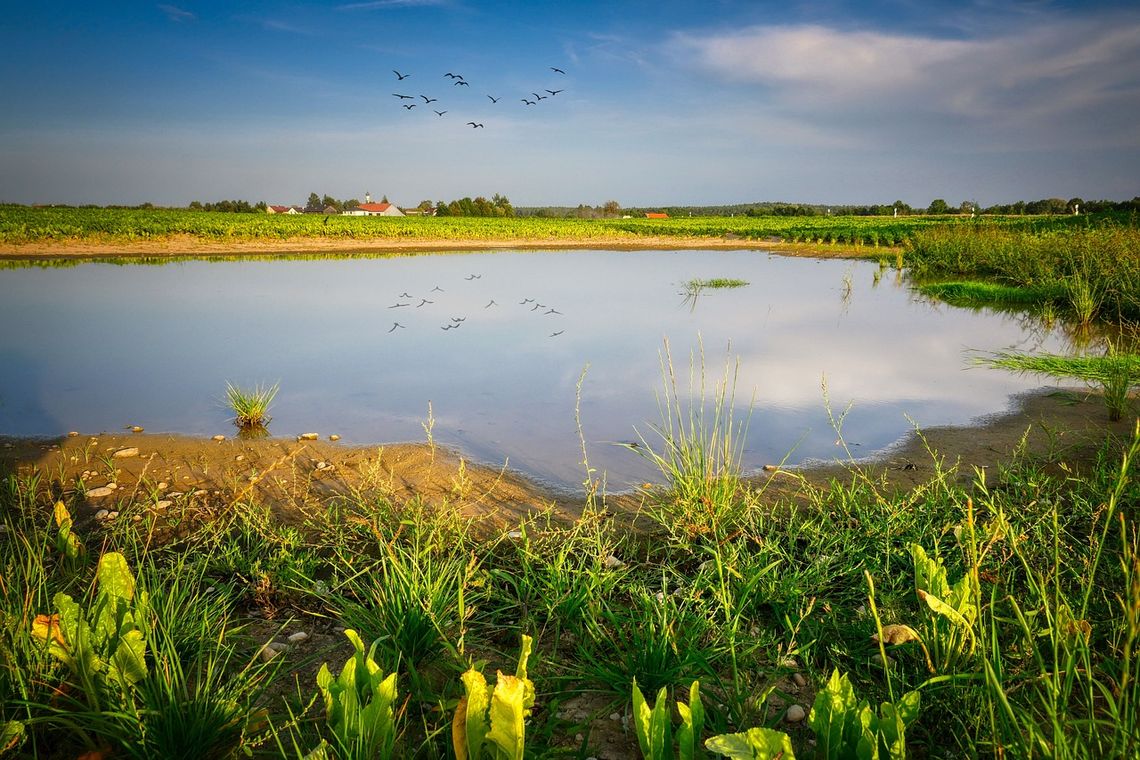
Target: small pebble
x,y
201,492
268,653
308,437
219,438
795,714
163,486
298,637
175,494
514,534
322,465
799,679
98,493
239,458
339,629
334,437
112,485
771,467
73,434
102,514
136,429
127,452
113,515
612,563
163,504
615,716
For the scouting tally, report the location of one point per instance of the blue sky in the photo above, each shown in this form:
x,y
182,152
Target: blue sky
x,y
663,102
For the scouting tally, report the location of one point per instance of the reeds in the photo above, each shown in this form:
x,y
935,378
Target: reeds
x,y
250,405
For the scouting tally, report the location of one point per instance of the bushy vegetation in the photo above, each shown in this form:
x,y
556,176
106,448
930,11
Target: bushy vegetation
x,y
1092,269
995,618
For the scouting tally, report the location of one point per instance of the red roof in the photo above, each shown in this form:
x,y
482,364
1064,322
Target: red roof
x,y
656,216
377,207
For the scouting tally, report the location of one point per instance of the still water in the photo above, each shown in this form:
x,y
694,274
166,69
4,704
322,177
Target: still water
x,y
96,347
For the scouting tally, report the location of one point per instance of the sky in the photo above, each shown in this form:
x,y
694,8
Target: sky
x,y
661,103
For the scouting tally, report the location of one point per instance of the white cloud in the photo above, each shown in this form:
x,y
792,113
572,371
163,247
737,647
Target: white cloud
x,y
174,13
1036,87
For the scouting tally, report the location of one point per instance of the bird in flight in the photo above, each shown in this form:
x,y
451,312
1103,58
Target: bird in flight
x,y
400,77
525,301
432,100
536,307
437,289
494,99
402,97
457,320
398,305
554,92
409,106
453,76
557,70
556,334
474,125
460,81
395,325
540,97
440,113
448,327
528,102
492,303
554,311
473,276
406,294
422,302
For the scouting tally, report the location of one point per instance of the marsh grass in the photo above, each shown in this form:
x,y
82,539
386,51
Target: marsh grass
x,y
1115,373
251,405
728,583
975,293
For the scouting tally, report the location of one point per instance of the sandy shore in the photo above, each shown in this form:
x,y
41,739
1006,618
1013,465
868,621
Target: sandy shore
x,y
298,478
188,245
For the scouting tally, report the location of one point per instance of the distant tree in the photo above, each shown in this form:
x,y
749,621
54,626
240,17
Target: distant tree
x,y
967,207
261,206
938,206
351,203
611,208
384,199
502,205
314,203
424,205
1075,205
195,205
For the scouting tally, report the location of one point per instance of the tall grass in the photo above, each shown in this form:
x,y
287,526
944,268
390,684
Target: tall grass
x,y
717,579
1115,373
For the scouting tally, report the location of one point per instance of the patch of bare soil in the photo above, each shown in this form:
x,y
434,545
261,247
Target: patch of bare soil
x,y
189,245
295,477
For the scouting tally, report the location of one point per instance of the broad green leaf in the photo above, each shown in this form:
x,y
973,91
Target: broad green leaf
x,y
520,673
115,578
651,724
944,609
128,661
692,724
929,574
835,718
507,708
753,744
11,735
475,706
893,723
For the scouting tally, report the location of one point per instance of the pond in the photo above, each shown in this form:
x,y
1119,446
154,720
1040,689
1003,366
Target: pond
x,y
496,343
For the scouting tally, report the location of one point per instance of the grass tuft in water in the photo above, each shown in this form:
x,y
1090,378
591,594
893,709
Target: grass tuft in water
x,y
1115,373
250,405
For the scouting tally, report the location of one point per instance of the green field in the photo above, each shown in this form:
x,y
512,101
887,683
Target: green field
x,y
20,224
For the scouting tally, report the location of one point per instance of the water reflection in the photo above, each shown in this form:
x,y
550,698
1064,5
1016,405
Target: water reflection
x,y
496,342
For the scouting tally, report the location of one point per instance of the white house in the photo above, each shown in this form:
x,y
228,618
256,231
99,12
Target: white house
x,y
374,209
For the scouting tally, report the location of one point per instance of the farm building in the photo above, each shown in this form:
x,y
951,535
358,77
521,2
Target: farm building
x,y
374,209
653,215
284,210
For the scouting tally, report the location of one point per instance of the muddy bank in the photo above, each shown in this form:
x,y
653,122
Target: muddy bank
x,y
298,478
188,245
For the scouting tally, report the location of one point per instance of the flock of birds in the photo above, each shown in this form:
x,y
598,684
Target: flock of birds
x,y
408,301
459,81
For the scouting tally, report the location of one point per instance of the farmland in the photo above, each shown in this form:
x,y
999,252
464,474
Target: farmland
x,y
22,226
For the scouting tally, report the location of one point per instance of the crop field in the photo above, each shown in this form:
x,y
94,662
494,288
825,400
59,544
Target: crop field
x,y
20,224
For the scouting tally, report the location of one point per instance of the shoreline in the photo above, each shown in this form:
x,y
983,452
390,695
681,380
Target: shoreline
x,y
189,246
1067,427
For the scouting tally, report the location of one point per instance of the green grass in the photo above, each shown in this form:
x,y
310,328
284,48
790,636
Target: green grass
x,y
714,283
1115,373
251,405
721,581
971,293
